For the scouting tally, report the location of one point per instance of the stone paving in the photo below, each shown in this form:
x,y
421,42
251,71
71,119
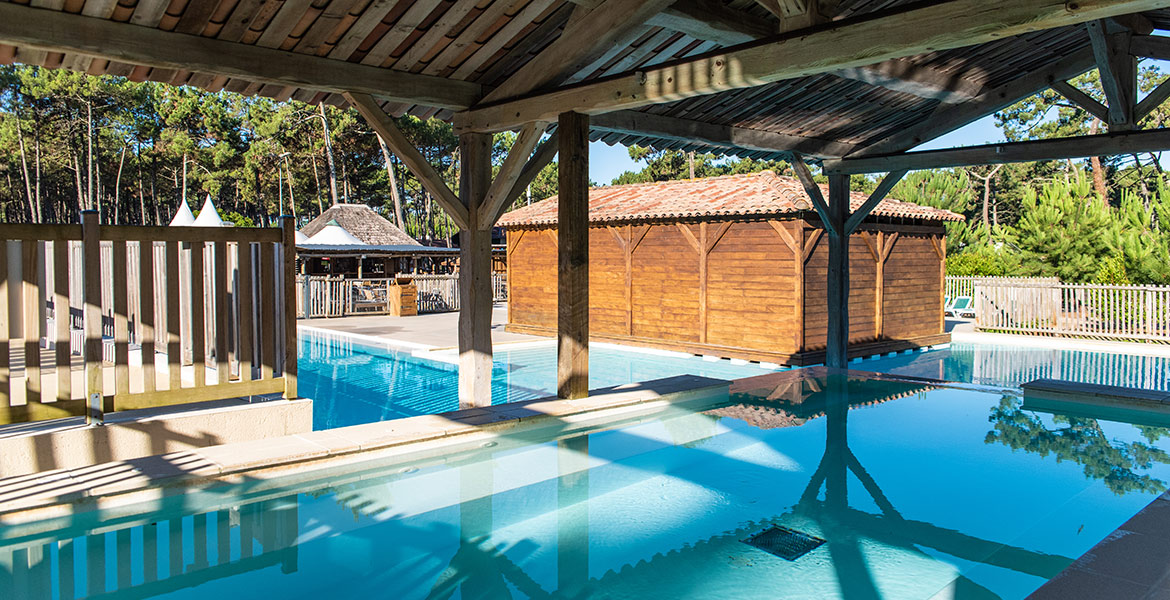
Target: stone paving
x,y
428,331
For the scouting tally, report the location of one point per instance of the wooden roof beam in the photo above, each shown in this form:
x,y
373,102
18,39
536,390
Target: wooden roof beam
x,y
883,189
381,123
709,20
1118,70
847,43
712,21
587,36
540,158
815,196
902,75
1122,142
1081,99
723,136
1150,46
949,117
55,31
498,193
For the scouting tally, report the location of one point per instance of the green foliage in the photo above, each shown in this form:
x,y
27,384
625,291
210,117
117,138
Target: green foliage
x,y
983,262
237,219
1112,272
674,165
1121,466
949,189
1060,230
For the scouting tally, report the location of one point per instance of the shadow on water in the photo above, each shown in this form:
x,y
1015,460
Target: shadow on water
x,y
238,533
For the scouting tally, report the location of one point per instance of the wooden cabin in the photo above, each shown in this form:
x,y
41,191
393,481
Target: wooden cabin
x,y
734,267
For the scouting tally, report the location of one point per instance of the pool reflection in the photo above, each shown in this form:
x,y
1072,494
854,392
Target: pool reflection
x,y
655,508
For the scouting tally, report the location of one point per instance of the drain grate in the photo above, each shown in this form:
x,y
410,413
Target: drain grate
x,y
786,543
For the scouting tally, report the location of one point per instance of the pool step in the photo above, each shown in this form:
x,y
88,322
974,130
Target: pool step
x,y
1058,387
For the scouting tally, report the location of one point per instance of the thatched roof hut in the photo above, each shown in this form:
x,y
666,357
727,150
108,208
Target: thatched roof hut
x,y
361,221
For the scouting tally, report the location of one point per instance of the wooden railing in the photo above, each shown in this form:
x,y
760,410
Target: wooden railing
x,y
1096,311
323,297
216,295
965,286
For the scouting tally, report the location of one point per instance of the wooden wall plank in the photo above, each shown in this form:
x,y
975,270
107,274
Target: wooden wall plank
x,y
267,341
5,349
146,316
121,321
198,314
222,358
31,251
174,319
247,311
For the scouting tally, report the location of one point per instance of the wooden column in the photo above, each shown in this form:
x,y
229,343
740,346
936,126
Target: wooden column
x,y
573,257
836,351
475,275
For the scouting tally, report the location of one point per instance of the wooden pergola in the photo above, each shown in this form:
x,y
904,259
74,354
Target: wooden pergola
x,y
853,84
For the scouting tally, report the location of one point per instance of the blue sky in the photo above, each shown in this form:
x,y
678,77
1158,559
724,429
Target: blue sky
x,y
607,162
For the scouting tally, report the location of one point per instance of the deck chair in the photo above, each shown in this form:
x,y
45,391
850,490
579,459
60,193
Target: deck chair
x,y
960,304
367,297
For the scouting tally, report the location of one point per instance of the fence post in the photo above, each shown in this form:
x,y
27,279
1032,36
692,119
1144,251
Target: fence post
x,y
289,298
92,301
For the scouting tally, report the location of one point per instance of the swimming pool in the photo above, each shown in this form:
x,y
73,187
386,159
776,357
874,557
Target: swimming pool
x,y
353,381
1009,366
915,492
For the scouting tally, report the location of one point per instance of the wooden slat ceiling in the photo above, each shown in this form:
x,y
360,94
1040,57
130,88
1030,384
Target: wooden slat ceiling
x,y
485,41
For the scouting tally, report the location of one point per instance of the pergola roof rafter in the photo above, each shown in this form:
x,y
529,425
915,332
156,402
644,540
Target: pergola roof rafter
x,y
839,45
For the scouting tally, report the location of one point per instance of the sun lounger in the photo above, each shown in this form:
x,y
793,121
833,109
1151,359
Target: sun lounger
x,y
959,306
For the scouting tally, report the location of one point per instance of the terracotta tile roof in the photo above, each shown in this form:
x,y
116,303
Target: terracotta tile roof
x,y
756,194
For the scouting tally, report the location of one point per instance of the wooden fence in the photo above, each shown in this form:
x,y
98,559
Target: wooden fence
x,y
1096,311
322,297
215,293
965,286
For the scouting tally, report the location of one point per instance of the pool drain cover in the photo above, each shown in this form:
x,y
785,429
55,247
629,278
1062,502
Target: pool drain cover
x,y
786,543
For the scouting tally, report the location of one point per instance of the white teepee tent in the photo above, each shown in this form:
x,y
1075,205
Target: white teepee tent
x,y
183,217
334,235
208,216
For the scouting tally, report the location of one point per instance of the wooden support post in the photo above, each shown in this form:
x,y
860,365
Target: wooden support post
x,y
92,301
475,275
289,306
573,257
836,350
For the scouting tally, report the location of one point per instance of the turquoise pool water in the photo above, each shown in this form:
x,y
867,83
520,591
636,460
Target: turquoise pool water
x,y
915,492
352,382
1009,366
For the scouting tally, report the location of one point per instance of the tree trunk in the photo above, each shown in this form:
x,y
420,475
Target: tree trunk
x,y
118,185
393,182
77,176
37,165
90,197
292,204
183,194
1142,182
329,154
317,185
31,212
1098,170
